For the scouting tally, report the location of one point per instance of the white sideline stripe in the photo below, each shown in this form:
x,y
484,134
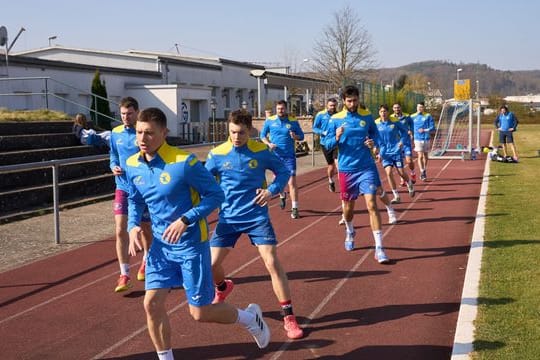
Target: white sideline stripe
x,y
468,309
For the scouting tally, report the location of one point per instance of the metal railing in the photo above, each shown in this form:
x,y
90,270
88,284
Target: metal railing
x,y
55,165
46,94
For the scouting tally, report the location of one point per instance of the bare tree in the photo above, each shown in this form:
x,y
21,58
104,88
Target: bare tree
x,y
344,49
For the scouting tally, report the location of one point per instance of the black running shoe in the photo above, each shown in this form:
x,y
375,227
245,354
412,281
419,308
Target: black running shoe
x,y
283,201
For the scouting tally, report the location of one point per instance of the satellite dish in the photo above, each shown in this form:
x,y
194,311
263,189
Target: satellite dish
x,y
3,36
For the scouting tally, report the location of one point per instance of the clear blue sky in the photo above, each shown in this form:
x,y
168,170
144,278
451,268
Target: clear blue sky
x,y
503,36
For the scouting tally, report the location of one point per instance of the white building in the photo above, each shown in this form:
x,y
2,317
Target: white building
x,y
184,87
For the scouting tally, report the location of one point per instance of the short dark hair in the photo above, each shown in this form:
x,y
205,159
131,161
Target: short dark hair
x,y
282,102
503,107
421,103
241,117
128,102
153,114
349,91
334,100
383,106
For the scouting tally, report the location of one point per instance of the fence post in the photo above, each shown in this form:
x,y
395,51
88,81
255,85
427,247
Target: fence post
x,y
56,205
313,149
46,94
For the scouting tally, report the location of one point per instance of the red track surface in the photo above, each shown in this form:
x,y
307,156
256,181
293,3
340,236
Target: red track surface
x,y
63,307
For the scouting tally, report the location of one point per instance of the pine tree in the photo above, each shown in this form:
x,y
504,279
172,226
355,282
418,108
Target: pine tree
x,y
101,111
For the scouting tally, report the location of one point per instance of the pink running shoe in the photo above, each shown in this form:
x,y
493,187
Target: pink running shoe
x,y
291,327
222,295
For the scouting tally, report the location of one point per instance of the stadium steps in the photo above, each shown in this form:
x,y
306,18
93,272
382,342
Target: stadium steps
x,y
37,141
37,127
26,193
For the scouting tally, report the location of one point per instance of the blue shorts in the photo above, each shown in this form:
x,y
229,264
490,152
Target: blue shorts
x,y
167,268
406,150
395,160
352,184
290,163
259,232
506,137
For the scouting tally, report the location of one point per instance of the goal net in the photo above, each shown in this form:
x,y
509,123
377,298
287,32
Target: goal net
x,y
458,130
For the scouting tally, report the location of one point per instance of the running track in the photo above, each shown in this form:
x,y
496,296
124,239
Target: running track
x,y
63,307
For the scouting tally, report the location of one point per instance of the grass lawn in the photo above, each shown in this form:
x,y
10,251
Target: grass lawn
x,y
32,115
508,322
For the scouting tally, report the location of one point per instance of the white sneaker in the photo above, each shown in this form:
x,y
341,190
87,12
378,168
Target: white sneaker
x,y
392,218
395,200
410,187
349,241
258,328
381,257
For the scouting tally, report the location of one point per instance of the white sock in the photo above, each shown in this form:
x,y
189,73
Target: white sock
x,y
377,236
124,269
395,192
282,195
349,226
389,209
245,317
330,180
165,355
294,204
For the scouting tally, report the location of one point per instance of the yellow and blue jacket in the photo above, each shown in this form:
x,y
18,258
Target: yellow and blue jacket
x,y
277,130
320,124
123,145
358,126
240,171
422,121
173,184
392,136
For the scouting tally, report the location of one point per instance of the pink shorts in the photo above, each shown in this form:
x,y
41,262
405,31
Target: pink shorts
x,y
120,205
120,202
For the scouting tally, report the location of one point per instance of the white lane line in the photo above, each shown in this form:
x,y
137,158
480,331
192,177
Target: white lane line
x,y
235,271
342,282
72,291
37,306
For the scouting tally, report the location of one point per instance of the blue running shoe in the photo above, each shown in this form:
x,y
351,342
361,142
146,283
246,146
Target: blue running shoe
x,y
349,241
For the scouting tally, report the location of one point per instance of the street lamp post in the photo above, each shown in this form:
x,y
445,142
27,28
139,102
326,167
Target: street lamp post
x,y
477,90
51,38
458,71
429,94
213,106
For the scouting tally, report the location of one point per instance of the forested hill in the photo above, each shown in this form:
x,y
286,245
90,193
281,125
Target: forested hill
x,y
441,74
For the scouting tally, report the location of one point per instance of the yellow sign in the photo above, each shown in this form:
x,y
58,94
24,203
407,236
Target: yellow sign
x,y
462,89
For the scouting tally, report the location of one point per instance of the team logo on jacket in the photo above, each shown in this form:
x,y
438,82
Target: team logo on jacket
x,y
138,180
362,123
288,126
227,165
119,142
165,178
253,164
